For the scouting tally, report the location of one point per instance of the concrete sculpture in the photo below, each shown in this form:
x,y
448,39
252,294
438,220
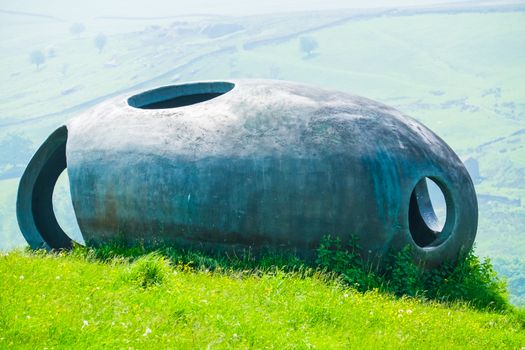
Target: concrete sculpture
x,y
250,163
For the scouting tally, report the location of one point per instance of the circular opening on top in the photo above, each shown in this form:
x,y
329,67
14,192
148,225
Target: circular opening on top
x,y
179,95
63,209
429,206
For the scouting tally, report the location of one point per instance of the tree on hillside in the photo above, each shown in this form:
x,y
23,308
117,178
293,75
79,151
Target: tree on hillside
x,y
308,45
76,29
100,42
37,58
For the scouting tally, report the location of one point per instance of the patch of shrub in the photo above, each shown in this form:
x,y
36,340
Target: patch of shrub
x,y
120,250
470,280
117,249
344,260
150,270
402,276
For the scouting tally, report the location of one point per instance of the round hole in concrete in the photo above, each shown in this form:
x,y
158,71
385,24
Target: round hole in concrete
x,y
428,209
174,96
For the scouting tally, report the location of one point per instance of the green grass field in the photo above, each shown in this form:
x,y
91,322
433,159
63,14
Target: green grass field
x,y
72,301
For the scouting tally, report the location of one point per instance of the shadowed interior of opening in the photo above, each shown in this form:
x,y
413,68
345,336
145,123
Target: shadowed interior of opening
x,y
427,213
179,95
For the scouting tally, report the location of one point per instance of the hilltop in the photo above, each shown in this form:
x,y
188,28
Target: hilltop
x,y
68,300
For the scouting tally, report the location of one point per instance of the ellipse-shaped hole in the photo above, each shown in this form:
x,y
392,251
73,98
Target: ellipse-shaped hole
x,y
174,96
63,209
428,213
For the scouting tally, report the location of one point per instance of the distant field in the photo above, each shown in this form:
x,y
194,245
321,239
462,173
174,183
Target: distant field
x,y
438,68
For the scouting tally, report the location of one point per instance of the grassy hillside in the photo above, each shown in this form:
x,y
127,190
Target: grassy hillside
x,y
77,301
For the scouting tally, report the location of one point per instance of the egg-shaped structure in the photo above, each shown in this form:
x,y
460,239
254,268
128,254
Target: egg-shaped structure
x,y
250,164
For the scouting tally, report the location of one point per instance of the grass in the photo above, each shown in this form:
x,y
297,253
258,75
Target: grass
x,y
92,299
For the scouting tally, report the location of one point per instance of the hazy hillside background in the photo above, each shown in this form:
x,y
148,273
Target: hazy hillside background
x,y
457,67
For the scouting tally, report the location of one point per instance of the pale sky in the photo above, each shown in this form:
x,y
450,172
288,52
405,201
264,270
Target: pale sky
x,y
80,10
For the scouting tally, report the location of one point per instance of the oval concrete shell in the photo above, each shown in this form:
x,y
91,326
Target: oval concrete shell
x,y
251,163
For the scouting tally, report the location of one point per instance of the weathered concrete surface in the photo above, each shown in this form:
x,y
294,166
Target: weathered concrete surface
x,y
263,163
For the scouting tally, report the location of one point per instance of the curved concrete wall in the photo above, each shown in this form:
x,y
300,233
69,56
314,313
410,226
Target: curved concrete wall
x,y
256,163
34,207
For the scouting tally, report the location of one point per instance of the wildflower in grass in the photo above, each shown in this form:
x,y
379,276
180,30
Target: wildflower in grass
x,y
146,332
57,277
85,323
21,277
409,311
345,295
